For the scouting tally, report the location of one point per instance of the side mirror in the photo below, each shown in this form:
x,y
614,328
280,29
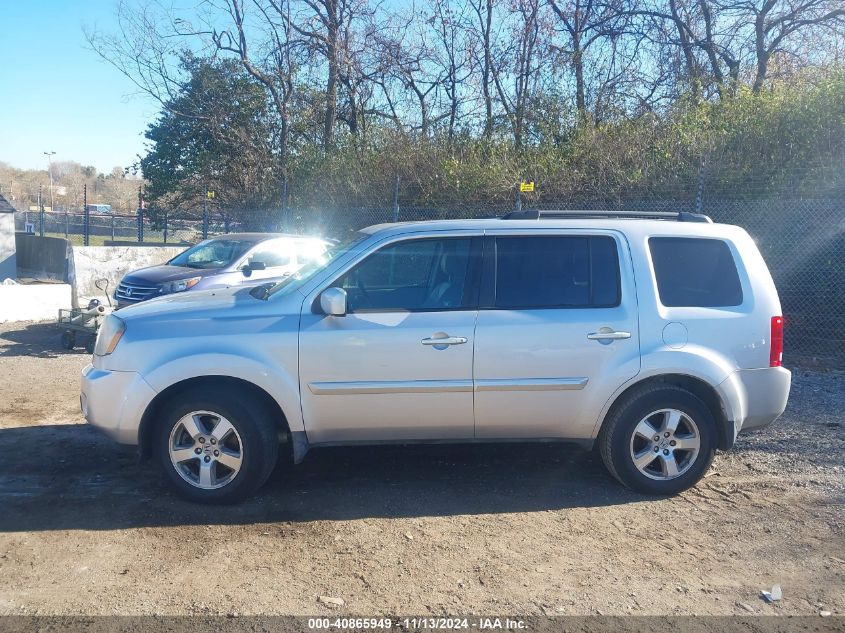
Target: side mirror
x,y
247,268
333,301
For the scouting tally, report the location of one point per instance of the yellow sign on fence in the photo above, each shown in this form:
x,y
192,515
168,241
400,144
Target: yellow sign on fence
x,y
526,187
209,194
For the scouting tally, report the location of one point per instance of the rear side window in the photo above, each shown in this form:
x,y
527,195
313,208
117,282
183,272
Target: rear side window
x,y
695,272
556,272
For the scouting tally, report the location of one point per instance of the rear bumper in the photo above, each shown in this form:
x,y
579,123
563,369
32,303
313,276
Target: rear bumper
x,y
766,393
114,401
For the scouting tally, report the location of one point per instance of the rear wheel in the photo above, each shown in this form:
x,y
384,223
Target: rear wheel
x,y
216,448
660,440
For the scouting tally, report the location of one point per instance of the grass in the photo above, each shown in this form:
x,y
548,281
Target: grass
x,y
153,237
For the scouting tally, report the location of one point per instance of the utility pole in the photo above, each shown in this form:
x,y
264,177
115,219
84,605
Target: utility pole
x,y
49,156
396,199
40,213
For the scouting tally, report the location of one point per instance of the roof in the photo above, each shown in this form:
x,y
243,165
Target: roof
x,y
639,226
5,206
261,237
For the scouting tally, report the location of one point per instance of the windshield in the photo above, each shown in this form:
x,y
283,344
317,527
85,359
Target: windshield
x,y
215,253
315,264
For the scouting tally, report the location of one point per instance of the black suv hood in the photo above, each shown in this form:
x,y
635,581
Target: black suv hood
x,y
164,273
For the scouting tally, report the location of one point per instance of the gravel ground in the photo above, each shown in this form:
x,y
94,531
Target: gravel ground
x,y
85,529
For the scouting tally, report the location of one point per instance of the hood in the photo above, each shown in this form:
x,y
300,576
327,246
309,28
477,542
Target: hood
x,y
164,273
196,304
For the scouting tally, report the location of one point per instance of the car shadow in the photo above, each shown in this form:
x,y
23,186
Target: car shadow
x,y
66,477
39,340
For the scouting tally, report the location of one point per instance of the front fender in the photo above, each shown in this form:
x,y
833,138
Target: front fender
x,y
271,377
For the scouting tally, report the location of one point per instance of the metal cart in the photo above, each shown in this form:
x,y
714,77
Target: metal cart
x,y
82,331
78,332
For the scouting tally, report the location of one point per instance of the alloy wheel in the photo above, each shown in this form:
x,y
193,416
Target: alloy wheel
x,y
205,449
665,444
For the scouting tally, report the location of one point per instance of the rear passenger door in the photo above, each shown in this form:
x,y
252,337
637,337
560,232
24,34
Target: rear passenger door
x,y
557,332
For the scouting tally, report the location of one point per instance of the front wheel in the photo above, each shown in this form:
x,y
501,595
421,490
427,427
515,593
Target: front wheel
x,y
660,440
216,448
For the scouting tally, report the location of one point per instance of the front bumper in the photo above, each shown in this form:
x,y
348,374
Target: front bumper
x,y
115,401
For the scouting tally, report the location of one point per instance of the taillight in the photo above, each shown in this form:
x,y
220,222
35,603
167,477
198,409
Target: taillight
x,y
776,351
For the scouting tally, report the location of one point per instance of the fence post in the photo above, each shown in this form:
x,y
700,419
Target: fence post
x,y
67,222
519,199
140,214
165,227
396,200
86,217
112,229
699,194
226,224
40,213
205,218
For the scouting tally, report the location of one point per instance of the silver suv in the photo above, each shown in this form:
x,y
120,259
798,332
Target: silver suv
x,y
654,338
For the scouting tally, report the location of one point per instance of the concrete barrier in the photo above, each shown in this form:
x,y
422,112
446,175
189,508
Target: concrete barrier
x,y
33,302
8,264
80,267
91,263
42,257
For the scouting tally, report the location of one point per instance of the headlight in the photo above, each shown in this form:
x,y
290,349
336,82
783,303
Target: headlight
x,y
178,286
109,335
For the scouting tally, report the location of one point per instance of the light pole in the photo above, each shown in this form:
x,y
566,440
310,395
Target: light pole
x,y
49,156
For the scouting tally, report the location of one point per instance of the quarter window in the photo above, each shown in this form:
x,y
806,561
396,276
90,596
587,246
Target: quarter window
x,y
695,272
556,272
415,275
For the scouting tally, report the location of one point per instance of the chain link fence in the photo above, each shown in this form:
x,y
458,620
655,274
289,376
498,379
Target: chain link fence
x,y
802,240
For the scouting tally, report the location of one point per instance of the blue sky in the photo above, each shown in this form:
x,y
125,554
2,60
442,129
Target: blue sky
x,y
57,95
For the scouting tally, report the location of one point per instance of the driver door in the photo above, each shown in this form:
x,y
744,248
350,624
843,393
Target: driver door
x,y
379,373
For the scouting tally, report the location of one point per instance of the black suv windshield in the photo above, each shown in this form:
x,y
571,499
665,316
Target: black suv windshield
x,y
215,253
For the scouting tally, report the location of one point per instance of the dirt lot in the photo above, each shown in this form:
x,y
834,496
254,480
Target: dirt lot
x,y
85,529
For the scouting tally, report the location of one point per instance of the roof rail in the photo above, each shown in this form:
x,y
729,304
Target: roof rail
x,y
537,214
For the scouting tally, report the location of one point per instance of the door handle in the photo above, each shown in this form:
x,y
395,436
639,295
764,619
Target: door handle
x,y
448,340
608,336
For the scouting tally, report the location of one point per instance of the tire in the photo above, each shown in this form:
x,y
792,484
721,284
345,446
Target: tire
x,y
651,411
90,344
228,468
68,340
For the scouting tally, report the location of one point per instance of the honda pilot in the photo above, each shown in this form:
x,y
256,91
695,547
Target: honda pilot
x,y
654,338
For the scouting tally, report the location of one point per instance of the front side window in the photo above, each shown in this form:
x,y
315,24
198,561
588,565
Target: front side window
x,y
695,272
273,254
214,253
533,272
415,275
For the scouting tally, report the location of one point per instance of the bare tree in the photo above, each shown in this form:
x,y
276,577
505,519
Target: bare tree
x,y
520,63
483,10
776,21
586,23
276,71
448,20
